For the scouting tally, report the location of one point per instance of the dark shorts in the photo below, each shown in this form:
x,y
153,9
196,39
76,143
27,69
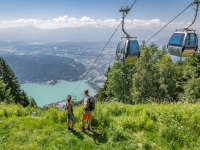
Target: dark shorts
x,y
72,118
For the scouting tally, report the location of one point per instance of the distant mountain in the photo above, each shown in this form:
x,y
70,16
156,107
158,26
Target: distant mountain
x,y
42,68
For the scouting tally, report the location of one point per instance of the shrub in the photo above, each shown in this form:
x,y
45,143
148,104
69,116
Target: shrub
x,y
5,113
118,136
192,90
147,146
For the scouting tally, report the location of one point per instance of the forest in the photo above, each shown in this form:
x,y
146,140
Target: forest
x,y
155,77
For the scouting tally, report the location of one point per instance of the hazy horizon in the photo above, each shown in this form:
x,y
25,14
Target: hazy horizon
x,y
48,21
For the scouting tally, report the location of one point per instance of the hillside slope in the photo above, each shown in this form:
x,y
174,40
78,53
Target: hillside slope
x,y
115,126
42,68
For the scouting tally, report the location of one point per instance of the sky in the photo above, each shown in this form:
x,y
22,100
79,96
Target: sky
x,y
87,20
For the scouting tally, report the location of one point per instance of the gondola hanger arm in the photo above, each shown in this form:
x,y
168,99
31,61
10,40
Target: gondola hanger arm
x,y
124,12
196,2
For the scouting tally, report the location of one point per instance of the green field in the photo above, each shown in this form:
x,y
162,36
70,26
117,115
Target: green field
x,y
115,126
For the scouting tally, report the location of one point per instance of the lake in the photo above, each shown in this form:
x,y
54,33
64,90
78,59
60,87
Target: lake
x,y
46,94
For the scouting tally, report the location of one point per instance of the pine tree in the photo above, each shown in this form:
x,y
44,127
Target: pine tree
x,y
102,94
166,80
5,93
191,79
12,85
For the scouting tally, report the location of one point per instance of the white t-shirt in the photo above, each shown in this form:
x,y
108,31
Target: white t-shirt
x,y
86,100
86,103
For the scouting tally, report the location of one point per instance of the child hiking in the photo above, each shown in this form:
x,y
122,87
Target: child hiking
x,y
70,114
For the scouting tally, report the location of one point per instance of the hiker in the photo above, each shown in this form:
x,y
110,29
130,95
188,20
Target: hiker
x,y
70,114
87,113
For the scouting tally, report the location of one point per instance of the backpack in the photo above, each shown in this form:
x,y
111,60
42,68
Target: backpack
x,y
91,102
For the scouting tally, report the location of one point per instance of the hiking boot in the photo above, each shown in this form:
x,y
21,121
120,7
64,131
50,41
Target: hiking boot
x,y
69,128
82,129
73,130
89,128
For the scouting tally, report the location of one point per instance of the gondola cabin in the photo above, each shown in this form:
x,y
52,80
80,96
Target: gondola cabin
x,y
183,43
128,51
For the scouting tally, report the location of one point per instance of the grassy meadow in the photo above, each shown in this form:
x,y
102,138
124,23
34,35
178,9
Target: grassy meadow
x,y
116,126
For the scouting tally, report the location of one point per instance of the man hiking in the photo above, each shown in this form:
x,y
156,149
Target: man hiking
x,y
87,112
70,114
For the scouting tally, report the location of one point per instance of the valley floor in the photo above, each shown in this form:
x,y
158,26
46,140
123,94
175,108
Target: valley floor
x,y
115,126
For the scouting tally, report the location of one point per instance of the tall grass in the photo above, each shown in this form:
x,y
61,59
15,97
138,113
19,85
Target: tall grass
x,y
115,126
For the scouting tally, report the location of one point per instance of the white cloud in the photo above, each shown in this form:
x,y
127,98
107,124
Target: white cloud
x,y
72,22
86,19
144,24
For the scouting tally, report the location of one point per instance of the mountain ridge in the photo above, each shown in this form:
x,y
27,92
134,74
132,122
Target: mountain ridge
x,y
43,68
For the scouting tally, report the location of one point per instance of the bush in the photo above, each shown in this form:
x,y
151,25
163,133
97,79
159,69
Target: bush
x,y
118,136
147,146
192,90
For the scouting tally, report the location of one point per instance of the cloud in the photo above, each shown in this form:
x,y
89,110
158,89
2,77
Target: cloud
x,y
144,24
85,21
82,29
72,22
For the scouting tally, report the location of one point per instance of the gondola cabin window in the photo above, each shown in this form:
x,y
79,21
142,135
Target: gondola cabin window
x,y
177,39
191,40
133,48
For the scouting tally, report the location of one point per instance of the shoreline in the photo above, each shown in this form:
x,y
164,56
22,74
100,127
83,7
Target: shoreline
x,y
60,102
54,82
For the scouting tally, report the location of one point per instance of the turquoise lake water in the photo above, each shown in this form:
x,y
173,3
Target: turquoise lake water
x,y
46,94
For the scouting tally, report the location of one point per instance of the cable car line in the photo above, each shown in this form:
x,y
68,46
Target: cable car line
x,y
110,38
162,28
133,43
106,44
184,43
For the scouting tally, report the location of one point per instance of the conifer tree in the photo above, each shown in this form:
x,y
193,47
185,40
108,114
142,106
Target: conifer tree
x,y
8,78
